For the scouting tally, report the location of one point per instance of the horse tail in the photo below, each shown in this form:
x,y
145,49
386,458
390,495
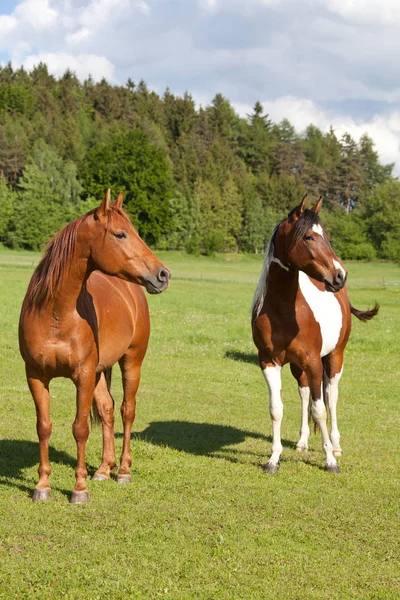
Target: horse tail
x,y
365,315
95,418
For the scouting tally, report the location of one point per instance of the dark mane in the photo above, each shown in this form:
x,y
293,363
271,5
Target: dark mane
x,y
306,221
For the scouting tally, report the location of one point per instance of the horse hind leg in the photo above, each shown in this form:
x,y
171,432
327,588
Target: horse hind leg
x,y
40,392
272,374
130,365
318,411
105,408
304,393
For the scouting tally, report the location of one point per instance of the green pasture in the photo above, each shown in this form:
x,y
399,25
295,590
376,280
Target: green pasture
x,y
201,519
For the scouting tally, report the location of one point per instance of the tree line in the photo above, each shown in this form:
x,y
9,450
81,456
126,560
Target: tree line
x,y
200,179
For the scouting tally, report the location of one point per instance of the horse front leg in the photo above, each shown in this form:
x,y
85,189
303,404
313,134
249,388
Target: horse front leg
x,y
85,385
318,411
333,370
304,393
39,388
272,375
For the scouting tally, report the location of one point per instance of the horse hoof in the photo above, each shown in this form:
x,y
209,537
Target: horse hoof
x,y
100,477
124,478
41,495
338,453
302,448
271,468
332,468
79,497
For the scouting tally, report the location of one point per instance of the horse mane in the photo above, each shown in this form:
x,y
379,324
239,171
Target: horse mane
x,y
302,225
54,267
56,263
259,294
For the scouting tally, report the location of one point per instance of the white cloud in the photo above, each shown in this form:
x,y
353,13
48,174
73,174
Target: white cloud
x,y
78,36
7,24
242,6
143,6
36,13
82,64
385,12
207,5
101,12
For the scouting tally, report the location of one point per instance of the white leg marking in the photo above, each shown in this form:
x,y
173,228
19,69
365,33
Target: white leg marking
x,y
332,393
319,415
339,267
302,444
273,378
326,310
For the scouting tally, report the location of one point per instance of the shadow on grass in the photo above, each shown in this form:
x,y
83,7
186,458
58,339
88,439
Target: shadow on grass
x,y
204,439
18,455
242,356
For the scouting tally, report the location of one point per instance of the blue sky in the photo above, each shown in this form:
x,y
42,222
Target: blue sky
x,y
329,62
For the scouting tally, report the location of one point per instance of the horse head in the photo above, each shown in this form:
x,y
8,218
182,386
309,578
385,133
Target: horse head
x,y
117,249
302,243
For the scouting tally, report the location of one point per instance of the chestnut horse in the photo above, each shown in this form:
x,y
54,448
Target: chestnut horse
x,y
83,311
301,315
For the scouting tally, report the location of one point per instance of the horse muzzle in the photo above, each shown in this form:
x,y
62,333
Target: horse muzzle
x,y
156,285
337,283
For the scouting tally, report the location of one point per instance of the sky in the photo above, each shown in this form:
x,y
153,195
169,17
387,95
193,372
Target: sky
x,y
327,62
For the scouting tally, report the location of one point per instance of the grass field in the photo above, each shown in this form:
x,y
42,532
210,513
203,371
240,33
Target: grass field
x,y
201,519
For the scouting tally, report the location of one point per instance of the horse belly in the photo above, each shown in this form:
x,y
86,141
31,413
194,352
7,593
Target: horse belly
x,y
326,310
113,344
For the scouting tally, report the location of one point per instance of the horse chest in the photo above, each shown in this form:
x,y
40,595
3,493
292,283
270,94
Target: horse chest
x,y
326,311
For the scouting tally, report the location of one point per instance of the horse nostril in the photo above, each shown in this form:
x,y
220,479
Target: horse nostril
x,y
340,278
163,275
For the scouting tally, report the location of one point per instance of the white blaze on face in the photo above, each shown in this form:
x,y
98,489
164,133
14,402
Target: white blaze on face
x,y
326,310
318,229
339,267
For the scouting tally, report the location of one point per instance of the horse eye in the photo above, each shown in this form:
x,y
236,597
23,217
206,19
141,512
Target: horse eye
x,y
308,237
121,235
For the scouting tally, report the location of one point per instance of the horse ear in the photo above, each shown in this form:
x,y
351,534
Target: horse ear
x,y
118,201
298,210
317,206
104,206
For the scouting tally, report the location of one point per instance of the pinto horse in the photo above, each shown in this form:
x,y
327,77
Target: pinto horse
x,y
301,315
83,311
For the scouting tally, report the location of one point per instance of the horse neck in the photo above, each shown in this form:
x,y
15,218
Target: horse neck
x,y
282,283
66,297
